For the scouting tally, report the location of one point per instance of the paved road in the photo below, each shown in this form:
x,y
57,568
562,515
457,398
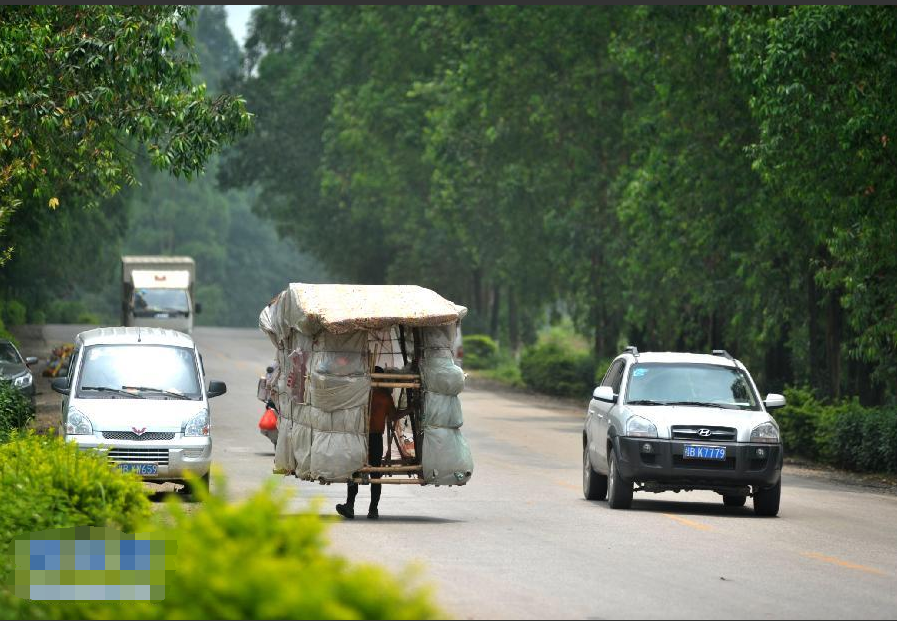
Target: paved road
x,y
520,542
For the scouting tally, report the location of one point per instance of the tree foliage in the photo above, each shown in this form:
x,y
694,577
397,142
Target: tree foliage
x,y
82,86
674,177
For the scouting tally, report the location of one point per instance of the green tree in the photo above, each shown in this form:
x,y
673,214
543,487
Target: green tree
x,y
82,85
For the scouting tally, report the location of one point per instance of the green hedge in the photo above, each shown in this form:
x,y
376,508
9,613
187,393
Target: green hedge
x,y
844,434
480,352
46,483
256,560
13,313
553,370
15,410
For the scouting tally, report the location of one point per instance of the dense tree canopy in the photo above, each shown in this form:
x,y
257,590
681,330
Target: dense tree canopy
x,y
680,178
82,86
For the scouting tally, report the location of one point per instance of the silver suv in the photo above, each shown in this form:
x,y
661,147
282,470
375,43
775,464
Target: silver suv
x,y
674,421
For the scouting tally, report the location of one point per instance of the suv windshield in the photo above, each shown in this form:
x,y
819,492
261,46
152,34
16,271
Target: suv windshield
x,y
8,353
656,383
151,301
150,371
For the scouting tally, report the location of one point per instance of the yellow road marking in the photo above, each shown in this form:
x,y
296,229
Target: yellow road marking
x,y
842,563
569,485
689,523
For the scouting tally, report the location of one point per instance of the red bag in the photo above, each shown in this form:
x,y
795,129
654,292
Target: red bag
x,y
268,421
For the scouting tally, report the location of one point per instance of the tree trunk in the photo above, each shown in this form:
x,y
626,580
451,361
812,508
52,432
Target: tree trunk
x,y
816,354
513,320
833,336
496,308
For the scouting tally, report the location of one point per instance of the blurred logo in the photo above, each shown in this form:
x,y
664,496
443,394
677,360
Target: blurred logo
x,y
91,563
703,432
138,432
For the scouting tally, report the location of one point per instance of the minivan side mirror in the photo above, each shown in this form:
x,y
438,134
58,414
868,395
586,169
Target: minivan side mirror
x,y
61,385
774,401
604,393
31,360
197,308
216,389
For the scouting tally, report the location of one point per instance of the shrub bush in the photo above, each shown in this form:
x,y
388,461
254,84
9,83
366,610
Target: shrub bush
x,y
69,311
38,317
14,313
15,410
45,483
253,560
844,434
553,370
480,352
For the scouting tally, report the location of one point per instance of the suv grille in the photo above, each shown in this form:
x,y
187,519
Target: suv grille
x,y
130,435
693,432
139,456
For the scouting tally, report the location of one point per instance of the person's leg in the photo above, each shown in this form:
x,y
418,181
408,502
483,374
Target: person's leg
x,y
375,457
348,510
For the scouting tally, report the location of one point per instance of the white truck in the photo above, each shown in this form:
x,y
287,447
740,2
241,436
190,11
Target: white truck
x,y
157,292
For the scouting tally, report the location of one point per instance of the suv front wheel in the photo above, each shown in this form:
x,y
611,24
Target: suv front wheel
x,y
619,490
766,501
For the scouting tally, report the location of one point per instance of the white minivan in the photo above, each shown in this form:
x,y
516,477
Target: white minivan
x,y
139,395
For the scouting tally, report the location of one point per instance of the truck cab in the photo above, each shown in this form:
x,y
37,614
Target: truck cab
x,y
157,292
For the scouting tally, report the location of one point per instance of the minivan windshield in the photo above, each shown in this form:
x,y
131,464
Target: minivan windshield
x,y
9,354
151,301
150,371
707,385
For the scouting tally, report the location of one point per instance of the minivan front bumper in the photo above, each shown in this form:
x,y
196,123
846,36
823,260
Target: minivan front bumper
x,y
173,458
659,464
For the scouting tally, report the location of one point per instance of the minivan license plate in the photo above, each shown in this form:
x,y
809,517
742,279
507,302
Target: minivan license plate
x,y
141,469
693,451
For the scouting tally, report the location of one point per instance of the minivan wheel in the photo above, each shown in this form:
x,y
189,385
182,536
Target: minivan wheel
x,y
594,485
766,501
734,501
619,490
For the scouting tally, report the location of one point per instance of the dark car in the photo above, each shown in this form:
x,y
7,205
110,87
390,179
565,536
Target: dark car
x,y
14,368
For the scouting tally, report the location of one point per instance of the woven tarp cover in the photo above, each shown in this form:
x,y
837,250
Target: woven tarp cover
x,y
345,308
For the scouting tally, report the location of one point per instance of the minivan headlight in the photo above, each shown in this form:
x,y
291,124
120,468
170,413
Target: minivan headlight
x,y
640,427
77,424
23,381
198,425
766,432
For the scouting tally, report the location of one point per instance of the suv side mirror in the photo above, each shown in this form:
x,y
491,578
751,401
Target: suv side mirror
x,y
216,389
774,401
61,385
604,393
31,360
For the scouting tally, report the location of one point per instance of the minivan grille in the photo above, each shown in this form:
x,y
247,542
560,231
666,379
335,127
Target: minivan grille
x,y
130,435
139,456
703,434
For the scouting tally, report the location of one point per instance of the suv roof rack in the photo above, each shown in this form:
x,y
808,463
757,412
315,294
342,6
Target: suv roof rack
x,y
631,349
723,353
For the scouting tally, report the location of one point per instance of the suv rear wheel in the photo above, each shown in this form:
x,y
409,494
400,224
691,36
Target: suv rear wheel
x,y
766,501
594,485
619,490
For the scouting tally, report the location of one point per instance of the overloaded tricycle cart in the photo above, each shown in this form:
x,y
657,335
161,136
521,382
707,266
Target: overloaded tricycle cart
x,y
329,340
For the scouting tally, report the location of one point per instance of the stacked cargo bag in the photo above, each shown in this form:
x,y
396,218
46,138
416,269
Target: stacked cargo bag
x,y
339,388
445,455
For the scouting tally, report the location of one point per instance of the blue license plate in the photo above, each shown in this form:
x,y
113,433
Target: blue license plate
x,y
141,469
696,451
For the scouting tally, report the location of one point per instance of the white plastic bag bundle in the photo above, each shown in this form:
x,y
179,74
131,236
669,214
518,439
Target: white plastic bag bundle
x,y
284,460
442,375
338,392
446,458
335,455
442,410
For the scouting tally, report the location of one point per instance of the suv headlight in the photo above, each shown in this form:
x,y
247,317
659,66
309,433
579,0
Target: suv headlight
x,y
766,432
23,381
77,424
640,427
198,425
